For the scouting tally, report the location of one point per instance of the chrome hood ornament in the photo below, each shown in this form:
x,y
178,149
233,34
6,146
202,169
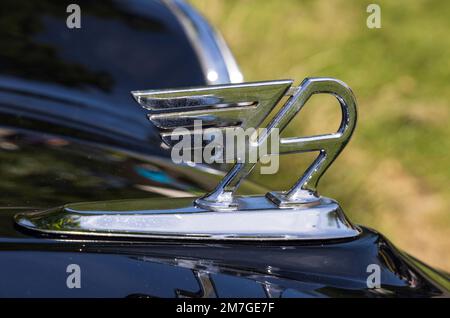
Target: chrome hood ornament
x,y
298,213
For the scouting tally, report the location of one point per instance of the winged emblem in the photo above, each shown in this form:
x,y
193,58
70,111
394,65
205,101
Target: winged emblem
x,y
250,105
297,214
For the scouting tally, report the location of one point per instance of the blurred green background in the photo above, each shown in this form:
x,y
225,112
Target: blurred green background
x,y
394,175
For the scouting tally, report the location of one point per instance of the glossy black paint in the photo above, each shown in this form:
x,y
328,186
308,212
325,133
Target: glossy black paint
x,y
43,170
69,128
36,267
77,82
70,131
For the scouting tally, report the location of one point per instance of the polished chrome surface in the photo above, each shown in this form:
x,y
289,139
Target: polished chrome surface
x,y
257,218
219,106
248,105
216,59
329,145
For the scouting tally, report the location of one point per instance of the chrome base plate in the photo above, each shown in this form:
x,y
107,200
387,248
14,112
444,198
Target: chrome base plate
x,y
257,218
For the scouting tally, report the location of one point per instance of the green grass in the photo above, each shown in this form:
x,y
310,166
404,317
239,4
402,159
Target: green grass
x,y
395,173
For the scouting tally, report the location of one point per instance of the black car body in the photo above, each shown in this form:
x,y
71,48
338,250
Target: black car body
x,y
70,132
